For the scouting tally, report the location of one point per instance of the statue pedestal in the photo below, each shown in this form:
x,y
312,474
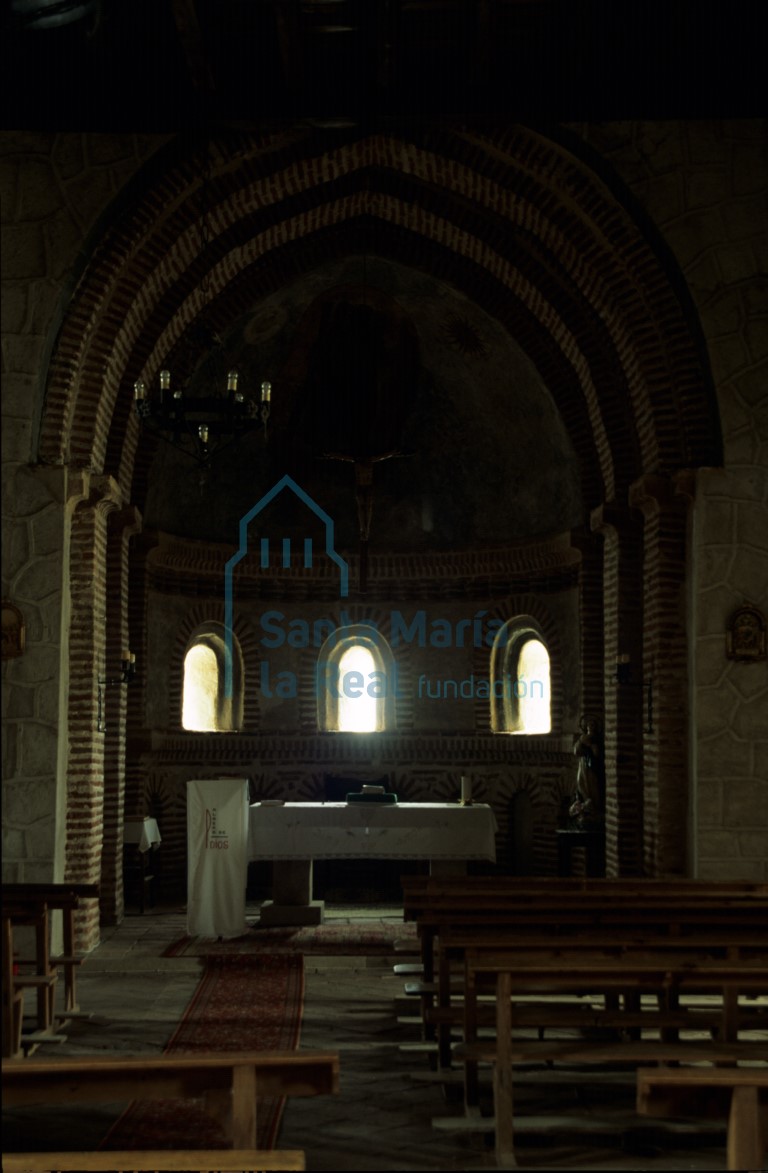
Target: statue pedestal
x,y
593,843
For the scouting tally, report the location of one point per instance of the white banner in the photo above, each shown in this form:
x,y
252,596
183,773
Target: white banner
x,y
217,850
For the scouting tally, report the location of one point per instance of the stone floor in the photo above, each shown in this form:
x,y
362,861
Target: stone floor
x,y
390,1114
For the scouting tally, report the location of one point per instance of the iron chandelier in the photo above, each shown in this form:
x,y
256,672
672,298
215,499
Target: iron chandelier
x,y
201,426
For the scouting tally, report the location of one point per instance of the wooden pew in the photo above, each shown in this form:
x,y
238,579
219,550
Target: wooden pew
x,y
66,898
709,932
13,998
740,1093
625,920
486,897
513,974
556,906
159,1160
42,978
228,1082
669,1016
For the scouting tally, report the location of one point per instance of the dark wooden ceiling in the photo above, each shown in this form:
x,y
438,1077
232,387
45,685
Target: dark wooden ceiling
x,y
163,65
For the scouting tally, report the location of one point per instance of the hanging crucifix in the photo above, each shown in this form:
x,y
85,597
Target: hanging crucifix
x,y
364,500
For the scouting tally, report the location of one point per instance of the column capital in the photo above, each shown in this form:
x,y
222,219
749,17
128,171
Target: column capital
x,y
655,491
585,539
127,521
612,520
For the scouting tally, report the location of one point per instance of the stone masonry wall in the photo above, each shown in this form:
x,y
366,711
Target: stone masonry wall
x,y
704,185
54,190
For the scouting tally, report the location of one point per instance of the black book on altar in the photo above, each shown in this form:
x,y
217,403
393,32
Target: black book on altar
x,y
372,794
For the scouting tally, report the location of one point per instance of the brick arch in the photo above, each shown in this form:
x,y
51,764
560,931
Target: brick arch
x,y
507,210
435,259
196,617
534,607
358,613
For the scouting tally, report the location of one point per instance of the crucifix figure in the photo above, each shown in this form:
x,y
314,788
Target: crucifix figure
x,y
364,499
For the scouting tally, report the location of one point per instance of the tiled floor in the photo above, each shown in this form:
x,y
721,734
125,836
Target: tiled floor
x,y
388,1115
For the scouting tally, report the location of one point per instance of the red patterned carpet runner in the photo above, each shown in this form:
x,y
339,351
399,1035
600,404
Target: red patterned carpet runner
x,y
243,1003
350,940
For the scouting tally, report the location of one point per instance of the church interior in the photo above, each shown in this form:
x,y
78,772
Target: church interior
x,y
384,404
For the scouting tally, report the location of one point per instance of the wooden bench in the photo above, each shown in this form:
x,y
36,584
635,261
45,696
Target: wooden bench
x,y
556,906
13,998
694,925
31,905
159,1160
65,898
667,1014
487,898
228,1082
739,1093
41,978
708,933
512,974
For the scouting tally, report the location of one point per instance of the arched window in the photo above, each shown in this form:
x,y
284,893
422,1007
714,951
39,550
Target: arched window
x,y
205,707
356,681
521,693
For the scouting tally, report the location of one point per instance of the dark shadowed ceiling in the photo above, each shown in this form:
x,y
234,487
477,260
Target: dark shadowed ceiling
x,y
480,455
377,357
165,64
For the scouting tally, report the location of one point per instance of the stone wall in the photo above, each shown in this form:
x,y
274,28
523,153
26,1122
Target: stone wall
x,y
435,738
704,186
55,189
418,768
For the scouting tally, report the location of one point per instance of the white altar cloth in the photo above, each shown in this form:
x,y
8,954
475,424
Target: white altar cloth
x,y
405,830
143,831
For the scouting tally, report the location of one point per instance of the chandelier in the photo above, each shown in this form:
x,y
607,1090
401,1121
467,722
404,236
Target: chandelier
x,y
201,426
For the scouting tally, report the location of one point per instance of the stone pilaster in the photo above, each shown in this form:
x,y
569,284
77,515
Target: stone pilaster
x,y
36,557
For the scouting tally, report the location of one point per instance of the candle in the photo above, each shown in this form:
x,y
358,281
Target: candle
x,y
466,789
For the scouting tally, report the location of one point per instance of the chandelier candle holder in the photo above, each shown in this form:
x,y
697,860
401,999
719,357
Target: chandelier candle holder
x,y
201,426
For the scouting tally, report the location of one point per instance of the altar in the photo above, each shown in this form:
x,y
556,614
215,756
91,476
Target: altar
x,y
293,834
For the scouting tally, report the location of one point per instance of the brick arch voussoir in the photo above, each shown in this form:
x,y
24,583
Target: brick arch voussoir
x,y
98,387
666,340
196,617
90,358
303,253
357,613
535,607
551,294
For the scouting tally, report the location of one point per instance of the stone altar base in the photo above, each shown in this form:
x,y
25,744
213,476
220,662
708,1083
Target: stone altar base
x,y
292,902
275,914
